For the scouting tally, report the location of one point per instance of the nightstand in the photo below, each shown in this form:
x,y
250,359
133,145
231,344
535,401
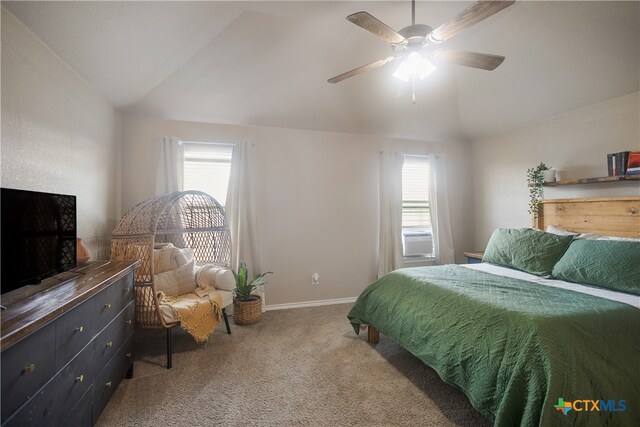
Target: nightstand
x,y
474,257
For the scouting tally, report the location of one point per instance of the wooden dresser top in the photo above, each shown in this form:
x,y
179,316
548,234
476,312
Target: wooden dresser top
x,y
30,307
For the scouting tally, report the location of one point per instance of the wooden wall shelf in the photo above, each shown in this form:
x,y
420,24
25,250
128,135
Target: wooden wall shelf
x,y
593,180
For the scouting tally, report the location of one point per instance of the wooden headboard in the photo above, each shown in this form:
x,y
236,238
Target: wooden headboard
x,y
608,216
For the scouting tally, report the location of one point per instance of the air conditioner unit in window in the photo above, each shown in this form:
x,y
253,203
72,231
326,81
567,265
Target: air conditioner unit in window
x,y
417,243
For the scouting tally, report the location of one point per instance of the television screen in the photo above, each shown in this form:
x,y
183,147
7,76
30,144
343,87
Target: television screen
x,y
38,234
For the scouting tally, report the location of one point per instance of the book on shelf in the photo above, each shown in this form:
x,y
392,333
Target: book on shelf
x,y
633,163
617,163
611,164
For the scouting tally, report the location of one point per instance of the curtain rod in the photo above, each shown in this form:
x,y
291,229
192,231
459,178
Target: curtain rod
x,y
416,155
181,142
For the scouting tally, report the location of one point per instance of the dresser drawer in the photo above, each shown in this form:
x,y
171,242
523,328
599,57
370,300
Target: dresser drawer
x,y
107,343
71,383
82,414
74,330
26,367
108,303
50,406
110,377
31,414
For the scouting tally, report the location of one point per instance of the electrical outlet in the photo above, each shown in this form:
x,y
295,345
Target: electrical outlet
x,y
315,279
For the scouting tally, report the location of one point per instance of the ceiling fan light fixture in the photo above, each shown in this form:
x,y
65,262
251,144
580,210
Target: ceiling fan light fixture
x,y
416,42
415,65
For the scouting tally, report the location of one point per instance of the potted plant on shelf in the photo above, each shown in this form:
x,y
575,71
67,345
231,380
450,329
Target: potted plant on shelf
x,y
536,179
247,307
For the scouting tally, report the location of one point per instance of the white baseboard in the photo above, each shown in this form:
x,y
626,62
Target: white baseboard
x,y
270,307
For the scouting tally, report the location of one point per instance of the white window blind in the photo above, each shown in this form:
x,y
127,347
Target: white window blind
x,y
416,172
207,168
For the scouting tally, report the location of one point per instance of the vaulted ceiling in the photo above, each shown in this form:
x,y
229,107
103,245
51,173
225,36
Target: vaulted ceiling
x,y
267,63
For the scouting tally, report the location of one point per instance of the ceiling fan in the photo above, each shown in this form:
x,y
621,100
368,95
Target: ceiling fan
x,y
419,44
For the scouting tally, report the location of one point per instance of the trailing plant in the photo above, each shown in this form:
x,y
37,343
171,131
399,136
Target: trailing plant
x,y
535,179
244,288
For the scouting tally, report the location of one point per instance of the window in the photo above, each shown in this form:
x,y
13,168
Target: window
x,y
207,167
417,239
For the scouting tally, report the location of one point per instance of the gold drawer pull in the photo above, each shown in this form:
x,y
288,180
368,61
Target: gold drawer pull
x,y
108,384
129,322
80,378
126,290
80,329
129,355
30,367
107,306
109,343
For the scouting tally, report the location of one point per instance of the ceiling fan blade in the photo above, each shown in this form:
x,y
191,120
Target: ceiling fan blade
x,y
360,70
483,61
475,13
375,26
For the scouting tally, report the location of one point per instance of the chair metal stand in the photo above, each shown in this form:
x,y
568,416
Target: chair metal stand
x,y
169,349
226,320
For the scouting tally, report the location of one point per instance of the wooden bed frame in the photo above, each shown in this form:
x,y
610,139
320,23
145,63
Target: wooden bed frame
x,y
608,216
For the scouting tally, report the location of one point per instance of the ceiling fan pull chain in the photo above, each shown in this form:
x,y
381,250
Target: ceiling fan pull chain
x,y
413,81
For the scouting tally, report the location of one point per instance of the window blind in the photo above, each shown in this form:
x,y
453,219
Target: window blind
x,y
416,173
207,168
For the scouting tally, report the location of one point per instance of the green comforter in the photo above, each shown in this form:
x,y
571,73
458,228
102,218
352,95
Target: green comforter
x,y
514,347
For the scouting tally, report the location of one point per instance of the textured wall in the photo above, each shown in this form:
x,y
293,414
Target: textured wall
x,y
317,199
575,143
58,134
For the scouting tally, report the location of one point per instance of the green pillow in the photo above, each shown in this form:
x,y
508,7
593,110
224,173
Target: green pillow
x,y
610,264
526,249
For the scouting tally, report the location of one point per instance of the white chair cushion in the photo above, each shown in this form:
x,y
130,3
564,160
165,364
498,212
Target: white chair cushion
x,y
227,298
168,257
220,278
180,281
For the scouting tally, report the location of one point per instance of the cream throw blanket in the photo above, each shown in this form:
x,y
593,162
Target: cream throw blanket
x,y
199,312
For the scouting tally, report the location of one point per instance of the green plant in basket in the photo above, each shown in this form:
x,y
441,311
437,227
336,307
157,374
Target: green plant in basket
x,y
244,287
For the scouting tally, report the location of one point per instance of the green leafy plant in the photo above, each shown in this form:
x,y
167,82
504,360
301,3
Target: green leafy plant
x,y
535,179
244,287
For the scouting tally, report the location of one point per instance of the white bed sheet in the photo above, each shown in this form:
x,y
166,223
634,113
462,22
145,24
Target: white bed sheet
x,y
633,300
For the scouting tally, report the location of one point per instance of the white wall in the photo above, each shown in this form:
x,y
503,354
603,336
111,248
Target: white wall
x,y
317,195
576,143
58,134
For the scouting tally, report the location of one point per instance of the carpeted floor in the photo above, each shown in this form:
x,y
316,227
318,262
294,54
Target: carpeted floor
x,y
299,367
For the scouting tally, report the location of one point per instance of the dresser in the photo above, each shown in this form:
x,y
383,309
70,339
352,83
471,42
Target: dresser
x,y
66,344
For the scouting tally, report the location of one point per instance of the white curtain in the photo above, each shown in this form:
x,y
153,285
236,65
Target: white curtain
x,y
241,212
440,219
390,256
170,169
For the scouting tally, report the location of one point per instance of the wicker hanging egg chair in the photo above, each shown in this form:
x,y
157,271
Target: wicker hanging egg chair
x,y
186,219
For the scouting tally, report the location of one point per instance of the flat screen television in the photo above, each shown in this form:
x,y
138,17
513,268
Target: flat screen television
x,y
38,234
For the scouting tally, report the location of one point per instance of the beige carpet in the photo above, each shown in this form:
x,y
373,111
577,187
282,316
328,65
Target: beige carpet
x,y
300,367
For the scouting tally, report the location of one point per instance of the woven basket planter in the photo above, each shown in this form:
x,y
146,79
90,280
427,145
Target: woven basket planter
x,y
247,312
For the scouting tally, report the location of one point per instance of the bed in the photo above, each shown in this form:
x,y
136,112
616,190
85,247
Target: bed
x,y
529,349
